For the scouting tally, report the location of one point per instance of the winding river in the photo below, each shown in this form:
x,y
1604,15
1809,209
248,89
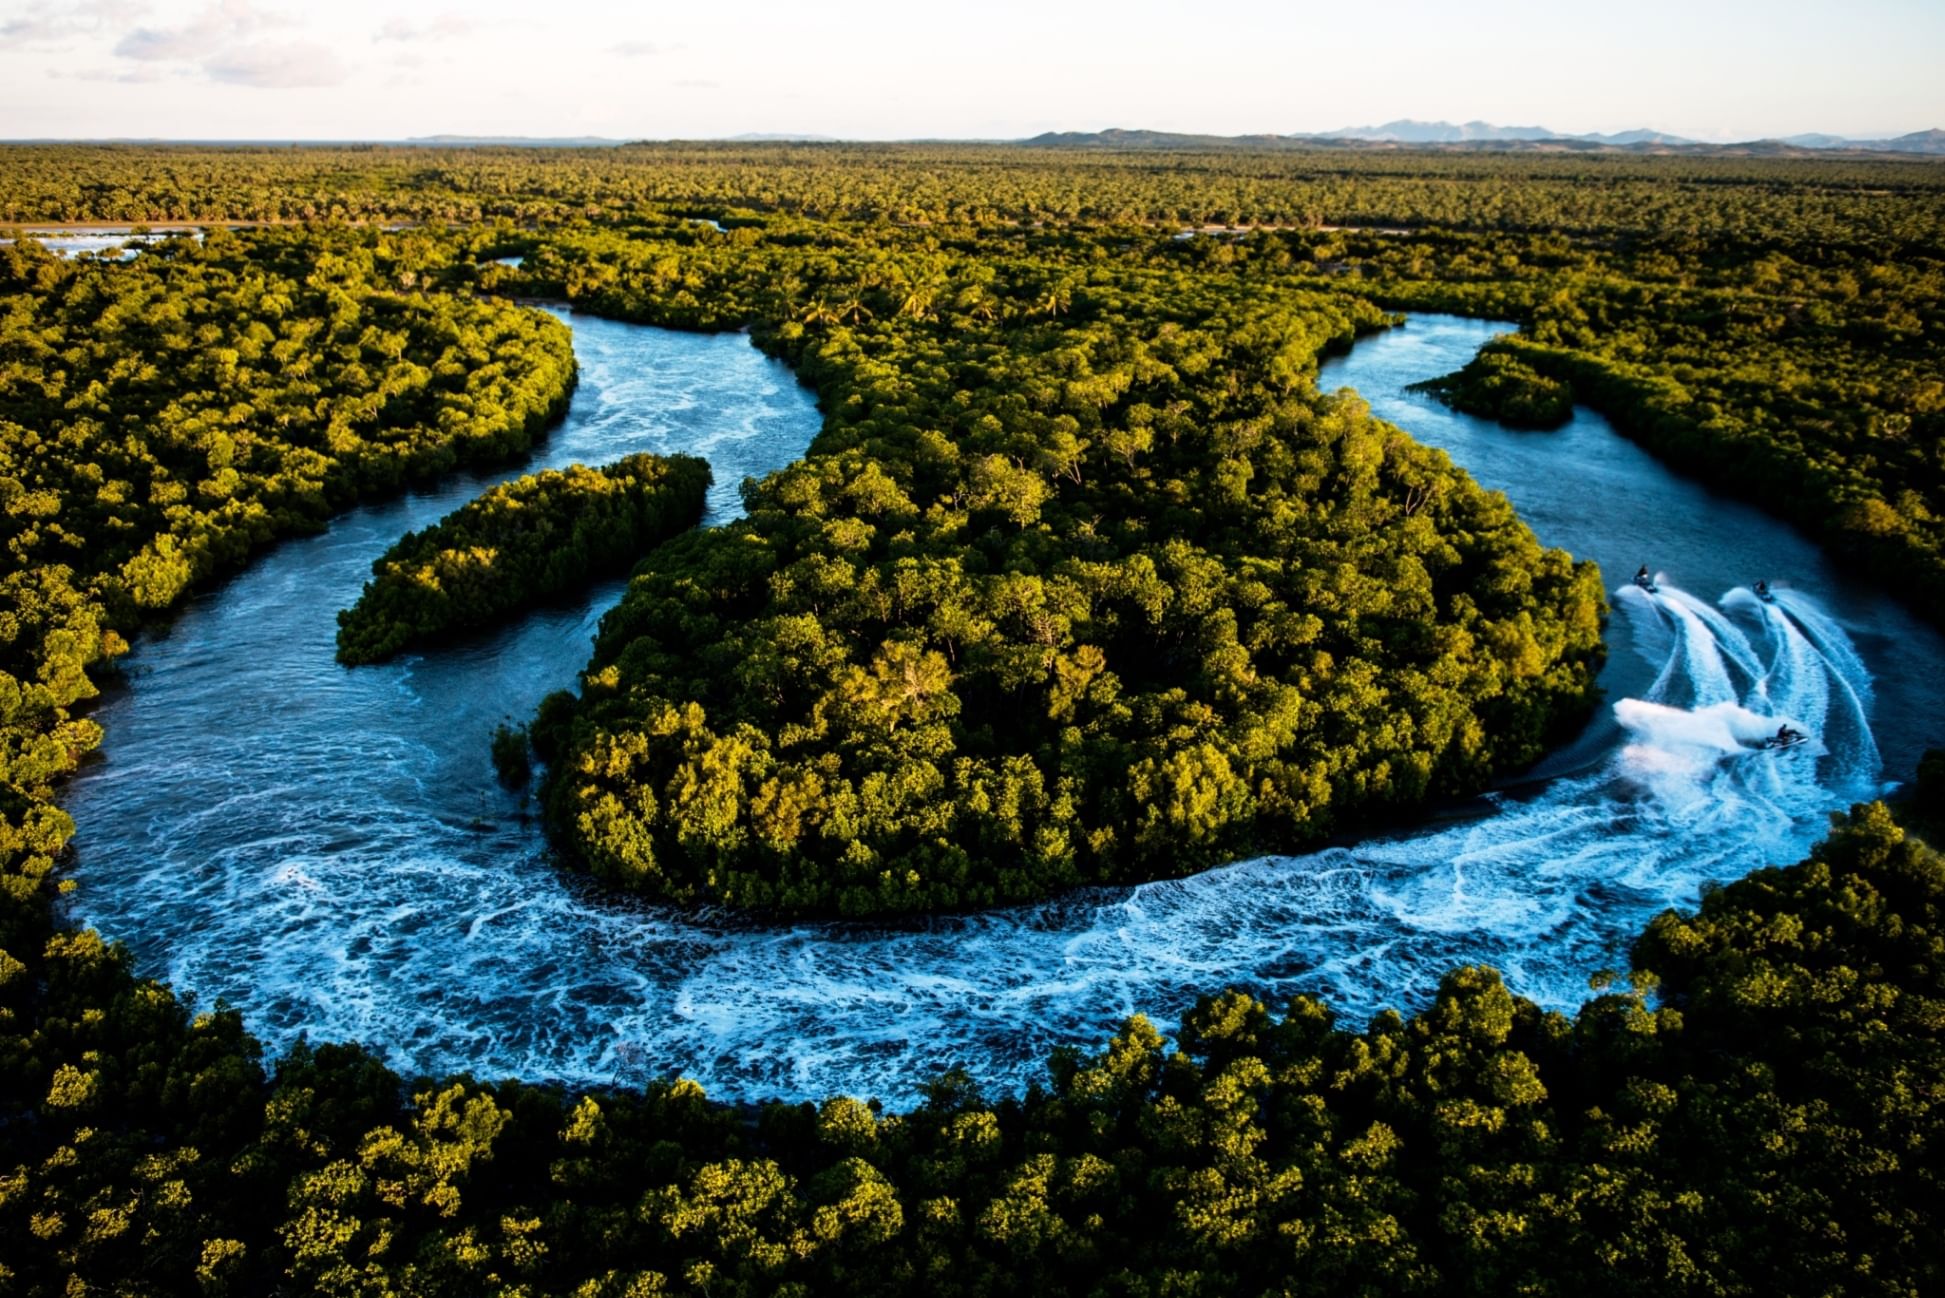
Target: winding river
x,y
327,850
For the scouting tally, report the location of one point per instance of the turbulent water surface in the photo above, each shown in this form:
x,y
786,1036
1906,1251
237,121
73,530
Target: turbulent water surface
x,y
326,848
123,243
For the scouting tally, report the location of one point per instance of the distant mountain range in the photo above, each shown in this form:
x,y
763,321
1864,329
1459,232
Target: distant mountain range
x,y
513,141
1479,135
590,141
1402,134
1407,131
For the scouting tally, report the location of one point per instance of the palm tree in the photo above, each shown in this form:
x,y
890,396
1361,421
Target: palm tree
x,y
1054,301
819,312
916,304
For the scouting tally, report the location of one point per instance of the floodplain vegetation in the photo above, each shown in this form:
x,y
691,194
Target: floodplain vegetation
x,y
1082,581
538,538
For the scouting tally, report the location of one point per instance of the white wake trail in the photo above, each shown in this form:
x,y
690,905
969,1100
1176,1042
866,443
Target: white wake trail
x,y
542,977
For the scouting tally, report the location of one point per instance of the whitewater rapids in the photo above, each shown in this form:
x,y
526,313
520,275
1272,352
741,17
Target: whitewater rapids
x,y
332,855
526,973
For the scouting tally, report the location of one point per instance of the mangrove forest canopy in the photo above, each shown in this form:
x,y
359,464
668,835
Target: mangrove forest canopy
x,y
537,538
1083,581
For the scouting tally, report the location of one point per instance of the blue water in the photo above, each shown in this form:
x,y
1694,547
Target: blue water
x,y
327,850
123,244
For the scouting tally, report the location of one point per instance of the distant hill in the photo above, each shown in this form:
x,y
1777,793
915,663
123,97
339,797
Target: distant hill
x,y
1407,131
1471,135
1932,141
512,141
1122,139
1408,134
1411,132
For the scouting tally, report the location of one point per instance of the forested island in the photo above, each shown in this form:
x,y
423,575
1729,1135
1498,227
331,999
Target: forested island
x,y
536,538
1079,584
1497,384
1083,581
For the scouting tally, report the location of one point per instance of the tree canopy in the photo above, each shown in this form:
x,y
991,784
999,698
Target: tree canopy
x,y
524,542
1757,1114
1083,580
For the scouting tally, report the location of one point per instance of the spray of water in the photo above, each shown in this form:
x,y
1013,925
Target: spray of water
x,y
331,854
452,951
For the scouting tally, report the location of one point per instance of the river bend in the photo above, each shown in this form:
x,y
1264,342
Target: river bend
x,y
327,850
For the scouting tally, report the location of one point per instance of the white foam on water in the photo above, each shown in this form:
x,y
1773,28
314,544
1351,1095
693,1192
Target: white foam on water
x,y
336,860
449,957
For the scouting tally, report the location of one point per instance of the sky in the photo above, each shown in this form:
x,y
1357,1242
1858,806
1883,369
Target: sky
x,y
1001,69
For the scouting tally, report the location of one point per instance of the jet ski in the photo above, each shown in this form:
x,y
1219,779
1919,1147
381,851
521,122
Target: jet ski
x,y
1763,593
1645,579
1785,737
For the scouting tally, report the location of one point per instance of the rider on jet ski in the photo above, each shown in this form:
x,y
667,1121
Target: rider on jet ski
x,y
1762,592
1645,579
1785,736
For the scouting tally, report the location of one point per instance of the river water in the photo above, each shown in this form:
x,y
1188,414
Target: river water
x,y
123,243
327,850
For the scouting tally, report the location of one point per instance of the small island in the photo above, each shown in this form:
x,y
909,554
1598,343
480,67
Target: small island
x,y
1498,384
524,542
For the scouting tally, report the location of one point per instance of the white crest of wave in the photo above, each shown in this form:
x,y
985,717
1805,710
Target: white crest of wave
x,y
374,908
1720,728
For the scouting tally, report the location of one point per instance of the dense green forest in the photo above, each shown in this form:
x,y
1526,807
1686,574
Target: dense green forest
x,y
1055,429
1770,324
1498,384
536,538
163,418
1082,582
1767,1123
1753,201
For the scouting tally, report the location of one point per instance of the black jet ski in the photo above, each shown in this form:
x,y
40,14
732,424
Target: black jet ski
x,y
1645,579
1763,593
1785,737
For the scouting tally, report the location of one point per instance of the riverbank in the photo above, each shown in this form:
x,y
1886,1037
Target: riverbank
x,y
372,907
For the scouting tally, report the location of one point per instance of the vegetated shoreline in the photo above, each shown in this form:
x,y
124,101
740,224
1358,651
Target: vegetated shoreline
x,y
1380,824
1694,1192
633,852
1886,566
1748,468
85,626
523,542
1700,463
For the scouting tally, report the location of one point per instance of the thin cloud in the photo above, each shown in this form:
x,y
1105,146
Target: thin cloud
x,y
33,31
137,76
290,66
153,45
78,20
447,26
210,34
635,49
221,44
